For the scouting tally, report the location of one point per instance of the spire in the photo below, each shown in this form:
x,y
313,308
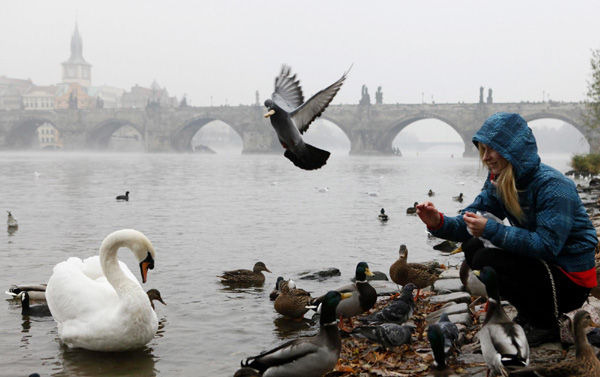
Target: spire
x,y
76,48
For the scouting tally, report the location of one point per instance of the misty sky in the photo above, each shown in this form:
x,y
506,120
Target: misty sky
x,y
523,50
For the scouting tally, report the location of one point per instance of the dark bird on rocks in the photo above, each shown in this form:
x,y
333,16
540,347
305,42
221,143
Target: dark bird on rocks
x,y
436,338
398,311
450,331
290,117
389,335
124,197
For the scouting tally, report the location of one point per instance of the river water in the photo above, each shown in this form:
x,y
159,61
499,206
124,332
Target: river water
x,y
205,214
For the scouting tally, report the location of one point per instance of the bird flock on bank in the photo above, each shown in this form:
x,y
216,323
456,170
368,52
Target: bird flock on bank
x,y
122,316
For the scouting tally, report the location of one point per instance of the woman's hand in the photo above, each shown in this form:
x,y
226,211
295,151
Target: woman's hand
x,y
475,223
429,214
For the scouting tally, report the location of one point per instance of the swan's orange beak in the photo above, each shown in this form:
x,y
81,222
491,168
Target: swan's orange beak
x,y
145,265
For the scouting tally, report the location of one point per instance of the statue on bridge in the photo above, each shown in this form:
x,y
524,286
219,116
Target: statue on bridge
x,y
257,99
489,98
365,98
379,96
481,94
72,101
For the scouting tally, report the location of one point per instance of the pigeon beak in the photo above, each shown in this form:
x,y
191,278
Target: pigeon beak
x,y
458,250
271,112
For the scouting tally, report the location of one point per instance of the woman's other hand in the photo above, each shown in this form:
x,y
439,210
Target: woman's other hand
x,y
475,223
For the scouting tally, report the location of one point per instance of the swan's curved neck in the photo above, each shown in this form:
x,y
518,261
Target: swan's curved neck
x,y
110,265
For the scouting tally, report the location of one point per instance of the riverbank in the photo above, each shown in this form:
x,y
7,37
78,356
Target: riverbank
x,y
360,357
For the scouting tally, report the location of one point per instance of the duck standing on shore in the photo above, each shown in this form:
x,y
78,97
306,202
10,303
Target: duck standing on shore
x,y
402,272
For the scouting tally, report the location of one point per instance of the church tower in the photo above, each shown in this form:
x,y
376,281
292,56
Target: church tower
x,y
76,69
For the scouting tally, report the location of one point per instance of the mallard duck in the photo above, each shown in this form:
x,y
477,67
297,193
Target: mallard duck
x,y
246,276
383,216
389,335
292,302
450,331
436,338
363,297
503,342
431,193
398,311
41,310
37,292
458,198
11,222
275,292
412,210
585,364
403,273
154,295
306,356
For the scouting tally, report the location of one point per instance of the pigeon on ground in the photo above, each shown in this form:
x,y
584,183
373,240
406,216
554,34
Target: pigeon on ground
x,y
290,117
388,335
398,312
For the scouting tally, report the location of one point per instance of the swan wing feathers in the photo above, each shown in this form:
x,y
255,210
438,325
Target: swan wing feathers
x,y
77,289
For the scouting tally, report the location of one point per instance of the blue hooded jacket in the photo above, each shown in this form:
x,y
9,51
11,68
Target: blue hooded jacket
x,y
555,226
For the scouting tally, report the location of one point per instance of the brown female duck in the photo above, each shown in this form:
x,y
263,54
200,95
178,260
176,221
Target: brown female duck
x,y
246,276
292,302
585,363
403,273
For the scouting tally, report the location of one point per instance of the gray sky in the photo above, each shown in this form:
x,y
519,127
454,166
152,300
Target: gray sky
x,y
228,49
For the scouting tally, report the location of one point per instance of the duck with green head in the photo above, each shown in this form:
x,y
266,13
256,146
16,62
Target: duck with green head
x,y
307,356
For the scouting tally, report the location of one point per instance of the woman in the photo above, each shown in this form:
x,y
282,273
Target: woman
x,y
545,260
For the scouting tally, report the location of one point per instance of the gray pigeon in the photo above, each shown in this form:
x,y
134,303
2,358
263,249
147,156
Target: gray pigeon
x,y
397,312
450,331
290,117
388,335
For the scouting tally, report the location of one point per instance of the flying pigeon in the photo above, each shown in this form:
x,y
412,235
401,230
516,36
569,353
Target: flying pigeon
x,y
290,117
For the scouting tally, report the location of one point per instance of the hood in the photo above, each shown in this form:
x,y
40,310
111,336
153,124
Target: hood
x,y
509,135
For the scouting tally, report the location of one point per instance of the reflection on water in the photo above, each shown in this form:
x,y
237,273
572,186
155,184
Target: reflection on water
x,y
285,328
80,362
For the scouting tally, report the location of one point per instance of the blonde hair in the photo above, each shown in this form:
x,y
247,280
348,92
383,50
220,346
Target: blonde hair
x,y
506,187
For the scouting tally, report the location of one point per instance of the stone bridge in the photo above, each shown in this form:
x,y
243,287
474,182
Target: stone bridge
x,y
370,128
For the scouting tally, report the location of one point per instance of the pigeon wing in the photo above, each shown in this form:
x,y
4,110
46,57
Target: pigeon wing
x,y
288,92
314,107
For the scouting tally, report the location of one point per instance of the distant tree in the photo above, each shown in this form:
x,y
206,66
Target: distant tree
x,y
592,105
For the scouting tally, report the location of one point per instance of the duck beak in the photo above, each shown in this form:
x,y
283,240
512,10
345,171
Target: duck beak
x,y
346,295
368,272
271,112
476,273
458,250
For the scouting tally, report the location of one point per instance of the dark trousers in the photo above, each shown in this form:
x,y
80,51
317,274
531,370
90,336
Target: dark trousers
x,y
525,283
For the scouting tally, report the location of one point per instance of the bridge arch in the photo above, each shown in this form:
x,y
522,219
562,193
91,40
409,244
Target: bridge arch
x,y
181,139
385,143
326,133
24,135
99,136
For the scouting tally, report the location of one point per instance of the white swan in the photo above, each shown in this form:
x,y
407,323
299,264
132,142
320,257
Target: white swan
x,y
119,317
